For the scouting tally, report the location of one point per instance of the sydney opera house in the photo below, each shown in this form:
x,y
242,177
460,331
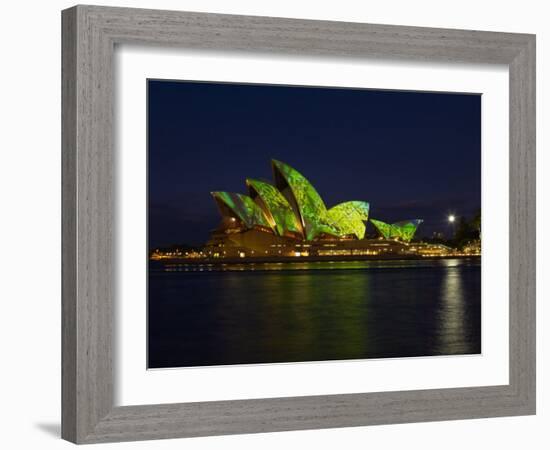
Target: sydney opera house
x,y
288,218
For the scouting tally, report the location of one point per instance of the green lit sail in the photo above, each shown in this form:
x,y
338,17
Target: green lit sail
x,y
382,227
305,200
349,218
403,230
292,207
407,228
241,207
275,206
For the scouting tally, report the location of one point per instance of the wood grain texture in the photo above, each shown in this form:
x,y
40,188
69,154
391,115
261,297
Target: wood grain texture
x,y
68,225
89,36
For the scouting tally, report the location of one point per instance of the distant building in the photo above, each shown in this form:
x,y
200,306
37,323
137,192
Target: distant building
x,y
473,247
428,249
289,218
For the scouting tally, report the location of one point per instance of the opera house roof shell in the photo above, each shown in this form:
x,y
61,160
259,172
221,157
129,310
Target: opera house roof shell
x,y
403,230
291,206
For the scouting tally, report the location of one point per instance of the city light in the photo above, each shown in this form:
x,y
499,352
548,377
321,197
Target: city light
x,y
289,219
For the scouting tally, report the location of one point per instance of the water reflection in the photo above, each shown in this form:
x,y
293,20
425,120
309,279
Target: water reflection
x,y
451,313
310,265
456,321
308,312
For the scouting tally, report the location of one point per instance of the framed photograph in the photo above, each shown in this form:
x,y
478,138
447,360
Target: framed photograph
x,y
277,224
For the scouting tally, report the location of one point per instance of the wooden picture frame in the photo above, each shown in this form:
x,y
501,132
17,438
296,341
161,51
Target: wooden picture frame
x,y
89,37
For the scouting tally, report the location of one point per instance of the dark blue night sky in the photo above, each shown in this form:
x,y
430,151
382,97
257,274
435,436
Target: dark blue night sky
x,y
410,154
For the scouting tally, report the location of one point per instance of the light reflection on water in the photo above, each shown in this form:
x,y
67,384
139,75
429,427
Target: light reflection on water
x,y
452,321
313,265
289,312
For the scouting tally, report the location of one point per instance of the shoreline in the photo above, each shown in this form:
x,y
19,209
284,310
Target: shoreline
x,y
302,259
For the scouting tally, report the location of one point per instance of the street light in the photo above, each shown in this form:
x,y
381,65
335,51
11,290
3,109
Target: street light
x,y
452,219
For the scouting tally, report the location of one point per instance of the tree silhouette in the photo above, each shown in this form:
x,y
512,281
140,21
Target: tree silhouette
x,y
467,230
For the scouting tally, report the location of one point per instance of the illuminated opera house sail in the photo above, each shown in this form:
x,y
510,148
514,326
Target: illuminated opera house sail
x,y
288,218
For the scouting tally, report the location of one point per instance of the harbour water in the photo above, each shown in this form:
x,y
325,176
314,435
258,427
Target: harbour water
x,y
203,315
